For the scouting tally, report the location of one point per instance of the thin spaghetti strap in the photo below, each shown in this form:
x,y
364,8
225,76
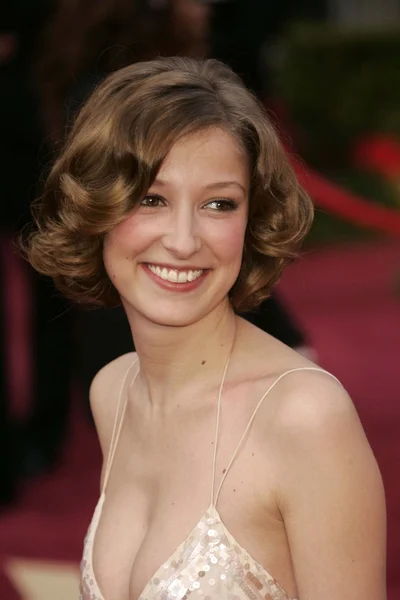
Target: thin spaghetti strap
x,y
249,424
118,423
217,422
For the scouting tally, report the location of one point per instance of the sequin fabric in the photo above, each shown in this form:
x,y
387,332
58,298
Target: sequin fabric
x,y
208,565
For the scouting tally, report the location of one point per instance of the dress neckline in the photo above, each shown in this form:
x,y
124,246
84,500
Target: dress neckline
x,y
211,512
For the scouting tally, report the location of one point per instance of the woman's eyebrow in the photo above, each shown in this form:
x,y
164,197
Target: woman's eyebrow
x,y
208,186
222,184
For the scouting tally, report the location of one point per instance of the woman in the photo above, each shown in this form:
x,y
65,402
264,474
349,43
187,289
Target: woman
x,y
233,467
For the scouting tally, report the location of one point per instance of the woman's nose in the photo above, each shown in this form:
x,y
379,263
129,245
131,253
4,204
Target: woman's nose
x,y
182,238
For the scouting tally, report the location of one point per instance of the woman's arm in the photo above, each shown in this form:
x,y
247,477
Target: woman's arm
x,y
331,496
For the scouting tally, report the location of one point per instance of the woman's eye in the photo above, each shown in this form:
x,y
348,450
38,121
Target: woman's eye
x,y
222,205
152,201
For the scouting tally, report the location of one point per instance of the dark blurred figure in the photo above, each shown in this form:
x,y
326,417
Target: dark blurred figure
x,y
239,32
20,142
23,149
243,31
84,41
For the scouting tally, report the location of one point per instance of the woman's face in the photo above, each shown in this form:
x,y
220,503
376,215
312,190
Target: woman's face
x,y
175,258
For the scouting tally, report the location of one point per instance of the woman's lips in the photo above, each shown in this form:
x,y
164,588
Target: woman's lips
x,y
176,286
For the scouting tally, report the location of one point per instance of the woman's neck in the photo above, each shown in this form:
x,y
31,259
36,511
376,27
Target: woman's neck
x,y
174,360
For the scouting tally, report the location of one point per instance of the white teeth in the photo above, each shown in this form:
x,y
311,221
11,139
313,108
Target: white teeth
x,y
182,277
174,275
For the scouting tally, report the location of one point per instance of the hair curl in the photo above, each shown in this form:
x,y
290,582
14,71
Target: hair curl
x,y
113,153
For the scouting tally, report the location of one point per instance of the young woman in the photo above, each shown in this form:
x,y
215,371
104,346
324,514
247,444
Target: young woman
x,y
234,468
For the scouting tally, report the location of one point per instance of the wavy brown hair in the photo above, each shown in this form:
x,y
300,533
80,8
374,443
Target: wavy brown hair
x,y
112,155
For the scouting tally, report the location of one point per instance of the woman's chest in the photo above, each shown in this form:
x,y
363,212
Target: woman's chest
x,y
208,562
141,532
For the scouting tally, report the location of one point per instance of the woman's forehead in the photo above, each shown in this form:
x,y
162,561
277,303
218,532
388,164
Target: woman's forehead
x,y
214,157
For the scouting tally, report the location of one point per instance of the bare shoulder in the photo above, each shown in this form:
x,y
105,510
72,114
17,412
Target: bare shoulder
x,y
104,394
330,491
315,416
310,417
313,400
318,431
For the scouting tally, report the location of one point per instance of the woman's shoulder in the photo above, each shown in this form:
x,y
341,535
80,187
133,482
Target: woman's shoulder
x,y
303,394
309,411
104,395
308,415
113,371
312,402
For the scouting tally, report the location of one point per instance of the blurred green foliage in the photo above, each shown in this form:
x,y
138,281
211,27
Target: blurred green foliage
x,y
337,86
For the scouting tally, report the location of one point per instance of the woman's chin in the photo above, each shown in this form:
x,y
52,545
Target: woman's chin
x,y
171,314
164,316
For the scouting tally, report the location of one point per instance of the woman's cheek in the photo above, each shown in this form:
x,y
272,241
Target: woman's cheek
x,y
228,241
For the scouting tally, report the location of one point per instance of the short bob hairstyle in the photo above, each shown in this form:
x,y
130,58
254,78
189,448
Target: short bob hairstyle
x,y
113,152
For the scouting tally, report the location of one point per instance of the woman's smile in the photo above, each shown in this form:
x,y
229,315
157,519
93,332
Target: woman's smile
x,y
176,280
